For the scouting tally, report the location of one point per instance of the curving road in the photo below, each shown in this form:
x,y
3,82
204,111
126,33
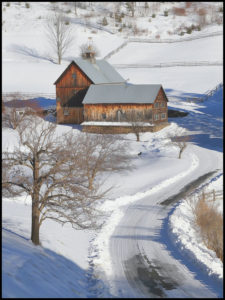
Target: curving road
x,y
144,263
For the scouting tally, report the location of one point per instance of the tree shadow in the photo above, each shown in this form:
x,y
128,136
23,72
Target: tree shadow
x,y
39,272
209,122
26,51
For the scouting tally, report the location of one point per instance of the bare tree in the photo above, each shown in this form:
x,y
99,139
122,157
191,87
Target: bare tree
x,y
11,118
146,8
130,7
75,7
54,170
202,13
102,153
137,123
180,141
59,34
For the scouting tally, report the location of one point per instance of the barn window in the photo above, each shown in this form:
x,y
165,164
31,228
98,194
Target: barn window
x,y
163,116
66,112
74,76
104,116
156,117
156,105
162,104
119,115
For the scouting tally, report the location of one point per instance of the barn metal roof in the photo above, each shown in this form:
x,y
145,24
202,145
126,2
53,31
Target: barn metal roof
x,y
122,93
100,71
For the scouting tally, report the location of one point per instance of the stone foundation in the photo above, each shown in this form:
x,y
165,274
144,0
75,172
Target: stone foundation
x,y
120,129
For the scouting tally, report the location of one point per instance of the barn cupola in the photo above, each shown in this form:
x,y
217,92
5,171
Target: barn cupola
x,y
90,54
89,51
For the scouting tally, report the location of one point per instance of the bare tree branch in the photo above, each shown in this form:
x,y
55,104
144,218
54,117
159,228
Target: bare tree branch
x,y
59,35
60,172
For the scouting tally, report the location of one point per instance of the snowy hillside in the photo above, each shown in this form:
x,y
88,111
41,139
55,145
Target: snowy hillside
x,y
87,263
27,54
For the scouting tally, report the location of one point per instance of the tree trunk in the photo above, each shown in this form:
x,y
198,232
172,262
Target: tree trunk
x,y
91,180
138,136
35,225
181,150
75,6
35,204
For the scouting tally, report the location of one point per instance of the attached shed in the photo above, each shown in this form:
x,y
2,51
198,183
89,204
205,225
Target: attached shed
x,y
124,102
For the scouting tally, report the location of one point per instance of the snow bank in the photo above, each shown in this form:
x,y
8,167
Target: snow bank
x,y
30,271
187,238
90,123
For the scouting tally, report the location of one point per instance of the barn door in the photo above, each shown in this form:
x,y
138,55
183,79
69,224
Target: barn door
x,y
119,115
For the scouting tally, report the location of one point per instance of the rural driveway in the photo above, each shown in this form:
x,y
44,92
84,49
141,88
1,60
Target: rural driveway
x,y
145,263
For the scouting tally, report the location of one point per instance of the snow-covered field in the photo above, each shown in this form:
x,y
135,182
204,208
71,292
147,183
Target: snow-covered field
x,y
68,260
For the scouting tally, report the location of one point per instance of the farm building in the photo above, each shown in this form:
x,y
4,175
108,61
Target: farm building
x,y
72,85
92,93
23,106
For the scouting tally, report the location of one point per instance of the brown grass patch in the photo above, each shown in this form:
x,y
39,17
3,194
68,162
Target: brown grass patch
x,y
210,223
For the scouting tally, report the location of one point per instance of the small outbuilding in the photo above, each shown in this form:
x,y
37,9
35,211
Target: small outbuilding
x,y
120,103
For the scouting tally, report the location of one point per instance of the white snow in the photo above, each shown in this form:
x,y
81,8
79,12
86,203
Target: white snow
x,y
90,123
186,233
62,266
186,51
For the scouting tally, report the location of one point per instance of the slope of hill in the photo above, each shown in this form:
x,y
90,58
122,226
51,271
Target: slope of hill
x,y
63,265
31,271
29,61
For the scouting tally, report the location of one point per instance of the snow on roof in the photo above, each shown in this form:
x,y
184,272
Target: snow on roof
x,y
99,71
122,93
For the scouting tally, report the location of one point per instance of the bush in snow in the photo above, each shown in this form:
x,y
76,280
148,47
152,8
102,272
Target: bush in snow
x,y
210,223
189,30
104,22
27,5
166,13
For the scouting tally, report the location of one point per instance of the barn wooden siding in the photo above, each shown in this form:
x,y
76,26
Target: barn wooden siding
x,y
117,112
67,85
75,115
161,98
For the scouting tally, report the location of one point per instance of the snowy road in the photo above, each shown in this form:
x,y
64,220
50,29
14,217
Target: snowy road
x,y
143,265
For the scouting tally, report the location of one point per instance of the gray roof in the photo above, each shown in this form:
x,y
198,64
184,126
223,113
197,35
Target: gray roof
x,y
122,93
100,71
